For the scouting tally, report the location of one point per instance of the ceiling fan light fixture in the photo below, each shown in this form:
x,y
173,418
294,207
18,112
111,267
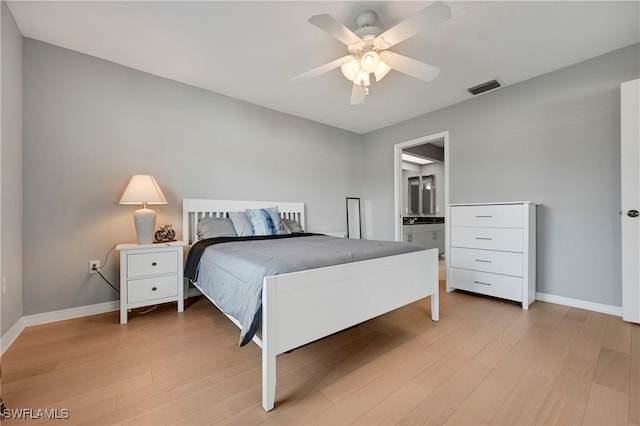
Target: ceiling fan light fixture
x,y
382,70
367,47
369,61
350,69
362,78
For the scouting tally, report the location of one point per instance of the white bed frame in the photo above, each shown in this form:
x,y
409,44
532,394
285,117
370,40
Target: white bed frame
x,y
301,307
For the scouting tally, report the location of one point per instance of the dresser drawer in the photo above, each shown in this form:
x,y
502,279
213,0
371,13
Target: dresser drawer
x,y
152,288
504,239
495,285
499,262
489,216
145,264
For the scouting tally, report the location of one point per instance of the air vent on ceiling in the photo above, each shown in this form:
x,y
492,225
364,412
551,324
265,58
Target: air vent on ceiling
x,y
480,88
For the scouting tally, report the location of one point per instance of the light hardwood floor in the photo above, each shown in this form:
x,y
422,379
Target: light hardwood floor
x,y
485,362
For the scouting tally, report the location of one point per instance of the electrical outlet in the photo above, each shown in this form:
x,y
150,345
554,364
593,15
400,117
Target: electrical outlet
x,y
94,265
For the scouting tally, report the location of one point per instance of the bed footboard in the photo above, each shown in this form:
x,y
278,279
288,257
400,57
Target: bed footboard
x,y
301,307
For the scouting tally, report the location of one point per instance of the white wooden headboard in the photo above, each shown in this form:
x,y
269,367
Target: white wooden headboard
x,y
195,209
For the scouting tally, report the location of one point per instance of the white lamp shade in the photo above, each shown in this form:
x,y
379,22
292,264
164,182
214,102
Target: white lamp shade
x,y
143,189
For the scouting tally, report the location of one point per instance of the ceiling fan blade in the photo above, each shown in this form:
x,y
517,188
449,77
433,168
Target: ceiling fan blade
x,y
432,15
411,67
323,68
358,93
328,24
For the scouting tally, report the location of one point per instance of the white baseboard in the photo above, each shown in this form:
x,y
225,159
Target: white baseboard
x,y
11,335
47,317
65,314
580,304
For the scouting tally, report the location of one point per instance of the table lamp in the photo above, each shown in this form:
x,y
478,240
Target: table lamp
x,y
143,189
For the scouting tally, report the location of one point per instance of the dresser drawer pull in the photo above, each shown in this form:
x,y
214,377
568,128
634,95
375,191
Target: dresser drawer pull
x,y
154,264
484,238
483,261
480,282
154,288
484,216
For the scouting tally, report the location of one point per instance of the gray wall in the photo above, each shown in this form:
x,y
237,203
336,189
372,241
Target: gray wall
x,y
555,140
89,125
11,171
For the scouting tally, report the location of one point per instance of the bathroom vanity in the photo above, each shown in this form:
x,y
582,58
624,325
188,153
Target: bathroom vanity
x,y
427,232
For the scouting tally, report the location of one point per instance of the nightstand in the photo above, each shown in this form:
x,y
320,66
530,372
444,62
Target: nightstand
x,y
150,274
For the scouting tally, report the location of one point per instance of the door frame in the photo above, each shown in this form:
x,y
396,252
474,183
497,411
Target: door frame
x,y
630,199
397,182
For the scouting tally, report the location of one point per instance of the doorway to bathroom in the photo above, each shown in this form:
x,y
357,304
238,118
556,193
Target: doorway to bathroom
x,y
421,191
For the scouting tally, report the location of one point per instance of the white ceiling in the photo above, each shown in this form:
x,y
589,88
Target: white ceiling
x,y
250,50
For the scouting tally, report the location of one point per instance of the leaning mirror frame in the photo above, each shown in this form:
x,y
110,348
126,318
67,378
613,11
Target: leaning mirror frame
x,y
354,226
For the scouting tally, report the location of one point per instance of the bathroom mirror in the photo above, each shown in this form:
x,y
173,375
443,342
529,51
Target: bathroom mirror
x,y
353,218
422,195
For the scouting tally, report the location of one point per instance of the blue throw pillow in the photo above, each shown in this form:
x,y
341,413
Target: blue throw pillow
x,y
265,221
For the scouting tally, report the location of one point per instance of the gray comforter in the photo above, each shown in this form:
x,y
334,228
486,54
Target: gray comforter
x,y
232,273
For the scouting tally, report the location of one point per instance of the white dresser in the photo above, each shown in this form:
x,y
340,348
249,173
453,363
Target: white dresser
x,y
493,250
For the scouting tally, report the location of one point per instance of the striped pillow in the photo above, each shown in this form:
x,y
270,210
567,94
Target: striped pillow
x,y
265,221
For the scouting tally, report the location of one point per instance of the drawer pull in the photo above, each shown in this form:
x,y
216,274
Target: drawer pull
x,y
480,282
154,288
154,264
484,238
483,261
483,216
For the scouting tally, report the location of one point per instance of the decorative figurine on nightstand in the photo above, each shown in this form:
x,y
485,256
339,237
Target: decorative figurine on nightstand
x,y
165,233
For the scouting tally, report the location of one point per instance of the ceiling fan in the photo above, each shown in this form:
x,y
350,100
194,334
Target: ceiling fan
x,y
368,48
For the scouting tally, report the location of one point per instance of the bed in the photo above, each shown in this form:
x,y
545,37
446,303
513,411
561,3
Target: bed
x,y
294,305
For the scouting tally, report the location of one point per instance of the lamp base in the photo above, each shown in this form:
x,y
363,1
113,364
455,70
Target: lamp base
x,y
145,221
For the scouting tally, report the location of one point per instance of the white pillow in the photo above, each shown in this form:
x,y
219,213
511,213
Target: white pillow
x,y
293,226
241,224
214,227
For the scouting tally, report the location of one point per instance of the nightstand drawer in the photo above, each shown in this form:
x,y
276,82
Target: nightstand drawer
x,y
499,262
488,216
503,239
151,288
494,285
145,264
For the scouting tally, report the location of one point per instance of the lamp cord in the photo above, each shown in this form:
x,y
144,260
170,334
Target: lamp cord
x,y
106,280
147,311
106,259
